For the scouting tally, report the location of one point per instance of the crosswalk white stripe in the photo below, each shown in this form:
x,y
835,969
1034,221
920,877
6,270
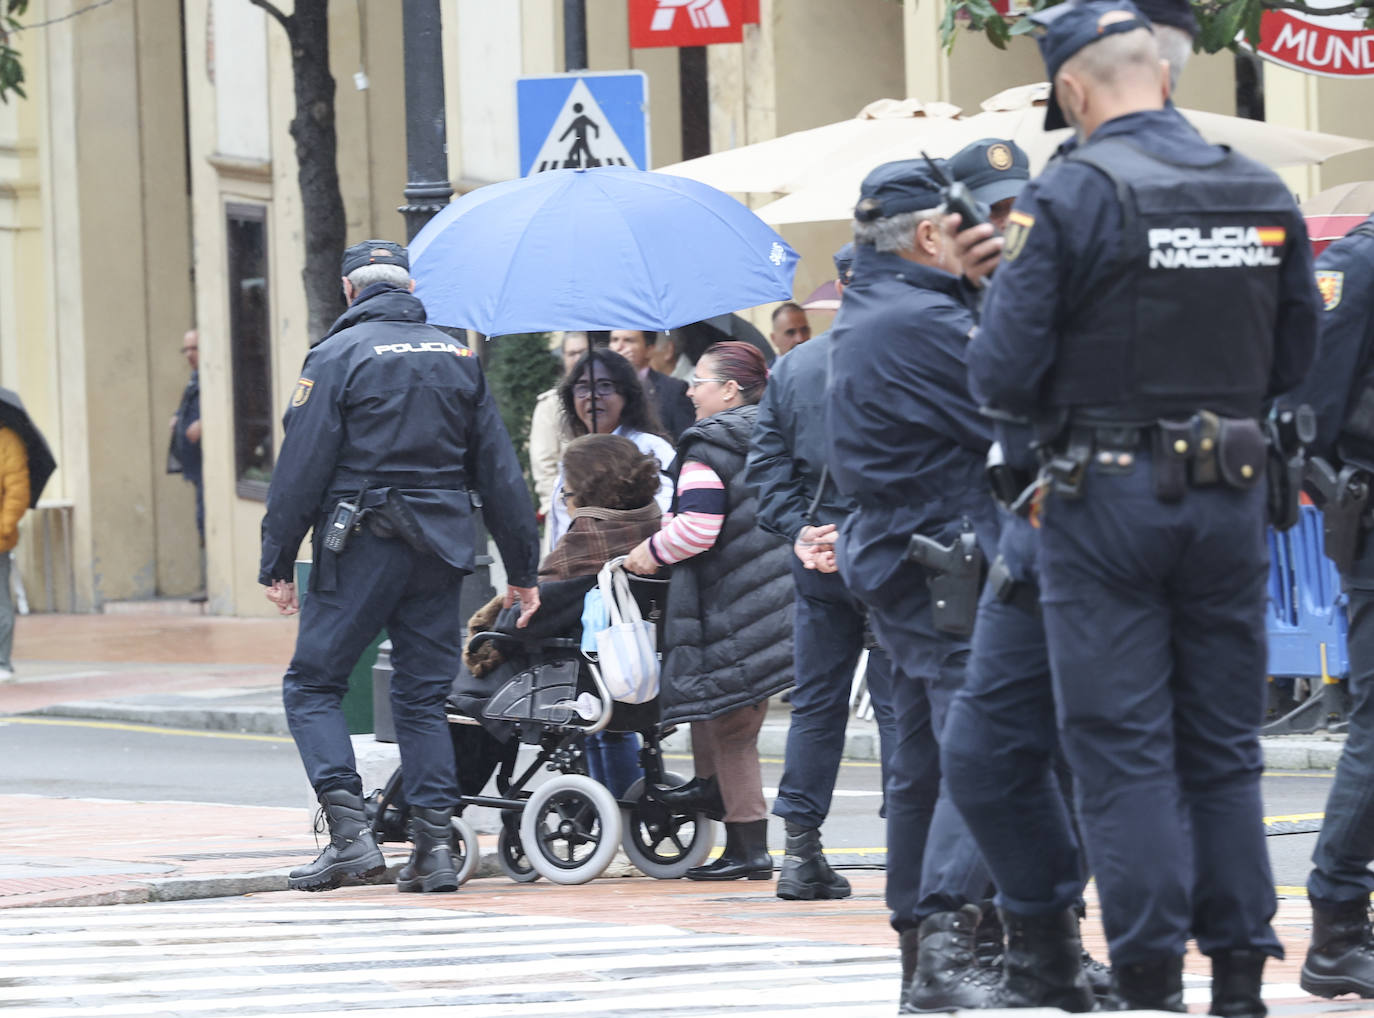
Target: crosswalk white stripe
x,y
686,981
99,916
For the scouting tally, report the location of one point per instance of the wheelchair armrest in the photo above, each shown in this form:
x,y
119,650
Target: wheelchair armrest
x,y
511,641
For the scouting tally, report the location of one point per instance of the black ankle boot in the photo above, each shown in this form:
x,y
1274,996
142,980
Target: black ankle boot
x,y
745,855
1043,964
1341,958
1237,979
806,875
910,942
947,974
990,940
351,851
430,867
1148,986
700,795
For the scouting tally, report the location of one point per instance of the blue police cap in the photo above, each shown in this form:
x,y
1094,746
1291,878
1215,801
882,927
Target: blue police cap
x,y
992,169
374,252
1174,13
844,261
1070,26
906,185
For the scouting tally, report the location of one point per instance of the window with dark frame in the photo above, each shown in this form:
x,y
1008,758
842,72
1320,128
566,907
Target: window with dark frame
x,y
250,345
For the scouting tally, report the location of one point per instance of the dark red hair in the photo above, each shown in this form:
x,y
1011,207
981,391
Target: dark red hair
x,y
743,364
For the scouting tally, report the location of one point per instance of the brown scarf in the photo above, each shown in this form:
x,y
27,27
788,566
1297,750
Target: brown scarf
x,y
596,535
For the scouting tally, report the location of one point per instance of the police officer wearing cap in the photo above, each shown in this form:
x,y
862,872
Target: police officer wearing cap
x,y
392,442
907,445
797,501
1154,294
1340,388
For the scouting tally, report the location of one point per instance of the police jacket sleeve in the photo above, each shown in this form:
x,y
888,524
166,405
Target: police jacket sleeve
x,y
1295,334
494,472
314,431
771,471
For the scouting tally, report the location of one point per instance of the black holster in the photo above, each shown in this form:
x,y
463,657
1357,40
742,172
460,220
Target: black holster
x,y
954,576
393,517
1342,497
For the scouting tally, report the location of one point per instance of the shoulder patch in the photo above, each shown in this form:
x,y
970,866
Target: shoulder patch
x,y
1018,229
1331,283
302,393
462,351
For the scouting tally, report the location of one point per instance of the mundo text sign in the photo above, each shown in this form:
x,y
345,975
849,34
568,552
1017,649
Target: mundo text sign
x,y
1337,46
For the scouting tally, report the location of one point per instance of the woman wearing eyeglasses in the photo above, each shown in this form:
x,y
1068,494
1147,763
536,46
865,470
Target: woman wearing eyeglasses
x,y
728,640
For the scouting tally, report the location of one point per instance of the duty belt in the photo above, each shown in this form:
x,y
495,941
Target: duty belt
x,y
441,480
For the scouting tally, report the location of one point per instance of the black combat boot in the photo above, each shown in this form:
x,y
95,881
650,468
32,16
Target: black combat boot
x,y
351,851
1237,978
1341,957
700,795
947,974
430,866
1148,986
806,874
745,855
990,941
910,941
1043,965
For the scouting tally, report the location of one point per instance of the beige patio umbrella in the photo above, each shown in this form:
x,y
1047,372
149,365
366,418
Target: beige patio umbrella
x,y
1019,114
1355,199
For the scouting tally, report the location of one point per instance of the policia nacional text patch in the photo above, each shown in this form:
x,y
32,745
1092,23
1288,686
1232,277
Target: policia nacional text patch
x,y
302,393
1331,283
1018,229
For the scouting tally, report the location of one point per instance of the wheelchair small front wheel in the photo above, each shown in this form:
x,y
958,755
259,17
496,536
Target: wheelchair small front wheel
x,y
570,829
663,844
510,855
463,843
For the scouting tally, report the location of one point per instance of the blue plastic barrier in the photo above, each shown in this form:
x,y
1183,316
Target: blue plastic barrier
x,y
1306,619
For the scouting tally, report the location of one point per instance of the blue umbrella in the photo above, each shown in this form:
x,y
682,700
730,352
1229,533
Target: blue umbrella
x,y
603,248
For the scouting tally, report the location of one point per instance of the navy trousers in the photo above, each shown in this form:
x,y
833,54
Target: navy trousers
x,y
380,583
1154,613
828,636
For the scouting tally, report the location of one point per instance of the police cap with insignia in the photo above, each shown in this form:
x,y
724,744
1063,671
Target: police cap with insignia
x,y
1067,28
844,262
374,252
993,169
907,185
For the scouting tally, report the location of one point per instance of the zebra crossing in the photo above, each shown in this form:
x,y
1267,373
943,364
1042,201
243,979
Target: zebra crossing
x,y
255,957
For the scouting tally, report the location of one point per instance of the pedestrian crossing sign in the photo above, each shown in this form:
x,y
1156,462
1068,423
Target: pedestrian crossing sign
x,y
575,121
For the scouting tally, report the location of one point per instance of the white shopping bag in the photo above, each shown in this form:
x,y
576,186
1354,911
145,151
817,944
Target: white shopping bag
x,y
627,649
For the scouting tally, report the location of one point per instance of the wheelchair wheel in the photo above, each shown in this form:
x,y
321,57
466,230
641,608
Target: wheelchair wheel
x,y
570,829
663,844
510,855
466,854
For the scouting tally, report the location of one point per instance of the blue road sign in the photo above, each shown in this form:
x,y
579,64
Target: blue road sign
x,y
568,121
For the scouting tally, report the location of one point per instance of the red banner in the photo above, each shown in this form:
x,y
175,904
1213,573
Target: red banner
x,y
688,22
1335,46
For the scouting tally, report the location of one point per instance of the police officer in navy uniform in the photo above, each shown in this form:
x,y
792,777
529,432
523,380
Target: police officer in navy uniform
x,y
797,501
392,418
1154,295
907,445
1340,388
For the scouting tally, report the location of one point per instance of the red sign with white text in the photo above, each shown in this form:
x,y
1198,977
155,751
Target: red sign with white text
x,y
689,22
1335,46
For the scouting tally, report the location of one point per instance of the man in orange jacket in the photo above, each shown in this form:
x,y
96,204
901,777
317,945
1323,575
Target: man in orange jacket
x,y
14,502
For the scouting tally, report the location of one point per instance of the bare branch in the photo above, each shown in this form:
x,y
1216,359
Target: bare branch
x,y
1298,5
275,11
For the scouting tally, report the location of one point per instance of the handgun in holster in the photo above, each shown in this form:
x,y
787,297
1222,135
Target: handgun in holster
x,y
954,576
1341,495
1288,432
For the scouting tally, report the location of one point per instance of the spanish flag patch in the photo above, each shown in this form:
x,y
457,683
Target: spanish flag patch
x,y
1271,236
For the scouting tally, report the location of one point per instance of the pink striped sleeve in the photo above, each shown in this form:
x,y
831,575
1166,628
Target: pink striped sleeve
x,y
701,505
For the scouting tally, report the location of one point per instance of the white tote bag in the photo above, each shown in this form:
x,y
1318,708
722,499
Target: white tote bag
x,y
626,650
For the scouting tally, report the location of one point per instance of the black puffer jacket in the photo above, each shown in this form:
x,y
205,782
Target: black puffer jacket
x,y
728,641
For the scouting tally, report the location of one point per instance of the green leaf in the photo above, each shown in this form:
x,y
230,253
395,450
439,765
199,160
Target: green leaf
x,y
982,9
998,33
949,25
1022,26
1253,13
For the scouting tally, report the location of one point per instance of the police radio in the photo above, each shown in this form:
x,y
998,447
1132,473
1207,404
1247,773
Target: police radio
x,y
958,198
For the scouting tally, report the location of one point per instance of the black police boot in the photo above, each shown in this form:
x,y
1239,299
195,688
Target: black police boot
x,y
806,874
1043,964
700,795
1237,978
1147,986
430,866
910,941
947,974
1341,957
990,940
1099,976
351,851
745,855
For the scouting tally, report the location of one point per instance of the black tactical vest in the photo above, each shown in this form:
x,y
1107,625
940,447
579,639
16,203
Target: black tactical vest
x,y
1184,320
1355,444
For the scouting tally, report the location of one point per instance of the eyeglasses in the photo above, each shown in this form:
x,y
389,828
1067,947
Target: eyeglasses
x,y
567,496
694,381
604,387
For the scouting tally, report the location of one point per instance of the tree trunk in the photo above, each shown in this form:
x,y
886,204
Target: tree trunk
x,y
316,140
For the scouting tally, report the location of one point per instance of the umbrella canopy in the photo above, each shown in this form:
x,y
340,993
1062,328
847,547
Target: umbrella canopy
x,y
41,462
825,297
603,248
1355,199
697,336
1323,231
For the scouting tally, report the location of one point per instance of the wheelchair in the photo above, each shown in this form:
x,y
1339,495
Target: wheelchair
x,y
567,828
